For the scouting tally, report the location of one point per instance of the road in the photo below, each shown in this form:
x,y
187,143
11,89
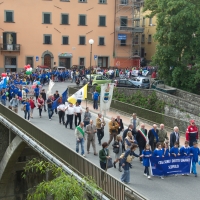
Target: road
x,y
173,188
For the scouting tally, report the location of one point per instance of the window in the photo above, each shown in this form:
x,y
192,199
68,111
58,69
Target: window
x,y
143,21
150,21
9,16
103,1
123,43
128,83
82,40
102,21
149,38
46,18
104,78
65,0
82,1
81,61
143,38
124,2
65,40
122,82
64,19
101,41
98,77
136,39
29,61
47,39
82,20
123,21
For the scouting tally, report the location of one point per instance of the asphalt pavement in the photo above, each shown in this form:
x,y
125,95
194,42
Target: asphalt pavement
x,y
173,187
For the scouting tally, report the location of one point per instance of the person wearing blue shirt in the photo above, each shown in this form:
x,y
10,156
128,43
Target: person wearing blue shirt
x,y
166,149
185,150
27,109
3,97
195,152
146,153
95,97
36,92
174,151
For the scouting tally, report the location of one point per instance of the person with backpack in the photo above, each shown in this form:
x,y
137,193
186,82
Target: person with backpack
x,y
95,98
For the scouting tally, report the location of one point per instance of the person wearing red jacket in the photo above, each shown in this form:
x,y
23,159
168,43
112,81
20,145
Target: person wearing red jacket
x,y
192,133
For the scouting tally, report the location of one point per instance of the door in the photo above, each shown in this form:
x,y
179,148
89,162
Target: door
x,y
47,60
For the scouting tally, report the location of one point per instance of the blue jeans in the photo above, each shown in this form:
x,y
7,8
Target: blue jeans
x,y
25,114
95,104
50,112
81,142
194,167
125,176
3,101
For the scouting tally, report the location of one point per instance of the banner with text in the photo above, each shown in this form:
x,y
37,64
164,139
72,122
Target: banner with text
x,y
170,165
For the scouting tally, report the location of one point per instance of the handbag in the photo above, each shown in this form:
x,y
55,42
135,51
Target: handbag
x,y
109,163
129,158
23,108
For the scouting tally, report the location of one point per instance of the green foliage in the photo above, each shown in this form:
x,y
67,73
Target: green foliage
x,y
98,88
60,187
178,38
150,102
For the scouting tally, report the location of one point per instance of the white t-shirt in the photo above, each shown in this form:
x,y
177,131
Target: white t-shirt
x,y
70,110
77,109
61,107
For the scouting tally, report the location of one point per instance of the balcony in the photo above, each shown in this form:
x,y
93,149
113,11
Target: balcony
x,y
130,29
10,47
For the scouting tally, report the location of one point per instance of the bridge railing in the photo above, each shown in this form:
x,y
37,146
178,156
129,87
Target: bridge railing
x,y
111,187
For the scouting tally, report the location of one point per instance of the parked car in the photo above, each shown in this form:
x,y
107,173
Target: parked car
x,y
99,79
160,85
124,83
141,82
92,76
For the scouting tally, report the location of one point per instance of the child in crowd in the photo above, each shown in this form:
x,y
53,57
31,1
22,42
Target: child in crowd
x,y
185,151
166,149
194,152
158,152
174,151
146,153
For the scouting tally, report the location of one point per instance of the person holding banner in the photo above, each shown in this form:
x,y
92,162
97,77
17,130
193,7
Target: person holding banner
x,y
146,153
174,151
195,152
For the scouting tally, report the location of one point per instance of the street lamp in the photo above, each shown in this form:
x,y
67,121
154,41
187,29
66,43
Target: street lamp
x,y
91,42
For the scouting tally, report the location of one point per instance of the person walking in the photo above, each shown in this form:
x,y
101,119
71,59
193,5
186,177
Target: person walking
x,y
14,103
61,113
70,115
141,138
192,133
153,137
104,155
126,163
77,114
44,96
100,123
32,106
146,154
195,152
128,141
23,94
121,125
87,117
95,97
80,138
135,121
91,132
36,92
40,103
162,134
56,96
130,128
49,107
118,149
113,129
174,136
27,109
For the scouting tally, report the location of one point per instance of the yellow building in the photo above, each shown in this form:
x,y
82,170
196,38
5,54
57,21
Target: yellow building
x,y
56,33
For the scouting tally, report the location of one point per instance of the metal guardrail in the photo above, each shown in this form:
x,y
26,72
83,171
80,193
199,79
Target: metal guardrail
x,y
111,187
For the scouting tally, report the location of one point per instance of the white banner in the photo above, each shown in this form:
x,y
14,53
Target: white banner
x,y
106,96
51,84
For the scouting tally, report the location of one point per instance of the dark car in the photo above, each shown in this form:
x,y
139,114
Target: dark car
x,y
124,83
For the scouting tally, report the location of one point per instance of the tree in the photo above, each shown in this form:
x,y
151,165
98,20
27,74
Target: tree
x,y
58,185
178,38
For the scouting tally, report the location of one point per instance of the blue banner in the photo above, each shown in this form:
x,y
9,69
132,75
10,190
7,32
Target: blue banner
x,y
122,36
64,96
170,165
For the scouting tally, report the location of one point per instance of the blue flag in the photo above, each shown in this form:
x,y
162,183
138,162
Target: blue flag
x,y
3,83
64,96
55,103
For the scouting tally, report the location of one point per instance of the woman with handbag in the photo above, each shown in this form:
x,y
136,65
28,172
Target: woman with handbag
x,y
104,155
32,104
118,148
40,102
128,141
126,163
26,108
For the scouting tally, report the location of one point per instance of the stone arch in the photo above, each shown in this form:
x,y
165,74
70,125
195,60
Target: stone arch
x,y
47,53
8,162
